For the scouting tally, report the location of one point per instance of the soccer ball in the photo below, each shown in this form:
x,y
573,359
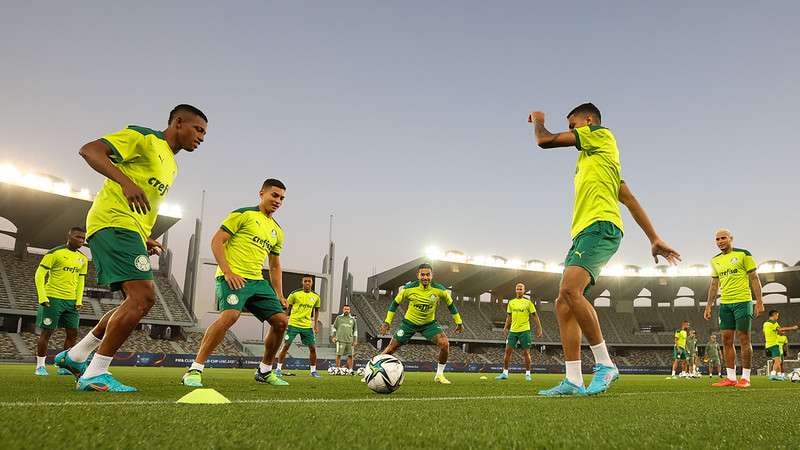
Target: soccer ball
x,y
384,374
360,371
794,377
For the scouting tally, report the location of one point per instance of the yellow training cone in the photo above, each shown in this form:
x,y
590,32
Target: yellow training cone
x,y
203,397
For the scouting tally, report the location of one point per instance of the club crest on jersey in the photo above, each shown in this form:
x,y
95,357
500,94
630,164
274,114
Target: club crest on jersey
x,y
734,260
47,321
142,263
433,296
274,233
232,299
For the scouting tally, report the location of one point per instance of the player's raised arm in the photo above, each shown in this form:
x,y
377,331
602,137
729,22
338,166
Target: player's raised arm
x,y
657,245
546,139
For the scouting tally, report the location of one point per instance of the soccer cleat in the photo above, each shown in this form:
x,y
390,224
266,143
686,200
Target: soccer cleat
x,y
565,389
278,372
724,383
602,379
502,376
440,379
103,383
528,377
743,383
62,360
63,371
773,378
193,378
270,378
315,374
41,372
671,377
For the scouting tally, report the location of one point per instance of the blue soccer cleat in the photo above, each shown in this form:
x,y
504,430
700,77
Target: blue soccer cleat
x,y
63,361
315,374
63,371
278,373
103,383
40,372
565,389
502,376
602,379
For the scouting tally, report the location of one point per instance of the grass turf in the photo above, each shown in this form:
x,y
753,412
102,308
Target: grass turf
x,y
640,411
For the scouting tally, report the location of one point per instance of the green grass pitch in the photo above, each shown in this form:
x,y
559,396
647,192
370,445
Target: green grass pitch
x,y
341,412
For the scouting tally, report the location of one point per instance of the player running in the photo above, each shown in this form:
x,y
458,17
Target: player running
x,y
679,353
712,355
344,333
247,238
519,312
772,334
691,354
139,166
59,285
733,271
301,304
423,296
596,235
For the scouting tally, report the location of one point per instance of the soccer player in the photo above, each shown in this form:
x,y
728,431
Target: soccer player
x,y
344,333
733,271
423,296
301,304
772,334
139,166
783,346
679,350
246,238
712,353
596,235
59,285
519,312
691,354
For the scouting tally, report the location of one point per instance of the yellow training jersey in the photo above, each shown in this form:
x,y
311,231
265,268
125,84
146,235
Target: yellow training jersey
x,y
732,270
253,237
680,335
65,271
422,303
597,178
782,340
520,310
303,304
770,328
143,156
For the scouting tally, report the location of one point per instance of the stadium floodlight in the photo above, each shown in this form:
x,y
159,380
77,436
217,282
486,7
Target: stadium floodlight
x,y
616,270
433,253
13,175
516,263
650,272
497,261
672,271
554,268
535,264
455,256
170,210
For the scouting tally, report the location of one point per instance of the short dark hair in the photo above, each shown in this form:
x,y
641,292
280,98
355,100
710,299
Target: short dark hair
x,y
424,266
74,229
345,305
771,312
183,107
273,182
586,108
307,276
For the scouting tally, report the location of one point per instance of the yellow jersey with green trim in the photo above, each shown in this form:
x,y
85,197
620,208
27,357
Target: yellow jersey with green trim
x,y
422,302
598,175
770,328
782,340
145,157
680,335
253,237
520,310
732,269
303,304
65,273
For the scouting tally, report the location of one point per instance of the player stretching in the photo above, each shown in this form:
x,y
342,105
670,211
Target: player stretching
x,y
139,166
519,312
247,238
712,353
679,351
596,235
61,296
344,333
691,354
423,296
774,348
733,271
301,304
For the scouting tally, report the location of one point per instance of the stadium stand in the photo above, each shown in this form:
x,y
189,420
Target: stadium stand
x,y
7,347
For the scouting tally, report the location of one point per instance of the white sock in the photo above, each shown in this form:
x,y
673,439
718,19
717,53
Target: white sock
x,y
197,366
263,368
731,373
673,373
505,371
98,366
440,369
574,374
40,361
746,374
280,366
313,368
80,352
772,373
527,373
601,355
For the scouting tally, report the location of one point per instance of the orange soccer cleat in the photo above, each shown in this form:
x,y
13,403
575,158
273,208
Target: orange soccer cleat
x,y
725,383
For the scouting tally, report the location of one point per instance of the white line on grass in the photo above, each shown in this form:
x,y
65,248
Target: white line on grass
x,y
373,399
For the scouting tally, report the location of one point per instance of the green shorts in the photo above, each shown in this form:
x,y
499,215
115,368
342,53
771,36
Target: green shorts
x,y
256,295
407,330
119,255
519,339
773,352
678,353
344,348
306,335
736,316
60,314
691,355
713,361
593,247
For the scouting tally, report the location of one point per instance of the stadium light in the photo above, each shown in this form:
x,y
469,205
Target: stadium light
x,y
455,256
170,210
616,270
433,253
13,175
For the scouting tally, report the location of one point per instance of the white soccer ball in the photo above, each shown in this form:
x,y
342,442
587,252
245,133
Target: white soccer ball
x,y
794,377
384,374
360,371
331,370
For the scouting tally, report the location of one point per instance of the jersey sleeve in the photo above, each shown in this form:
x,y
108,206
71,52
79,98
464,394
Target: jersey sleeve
x,y
292,299
276,250
355,328
531,307
333,326
124,145
393,306
445,295
41,272
714,273
749,263
585,140
232,223
317,303
508,308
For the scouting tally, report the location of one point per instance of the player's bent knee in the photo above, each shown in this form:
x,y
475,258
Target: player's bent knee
x,y
279,322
